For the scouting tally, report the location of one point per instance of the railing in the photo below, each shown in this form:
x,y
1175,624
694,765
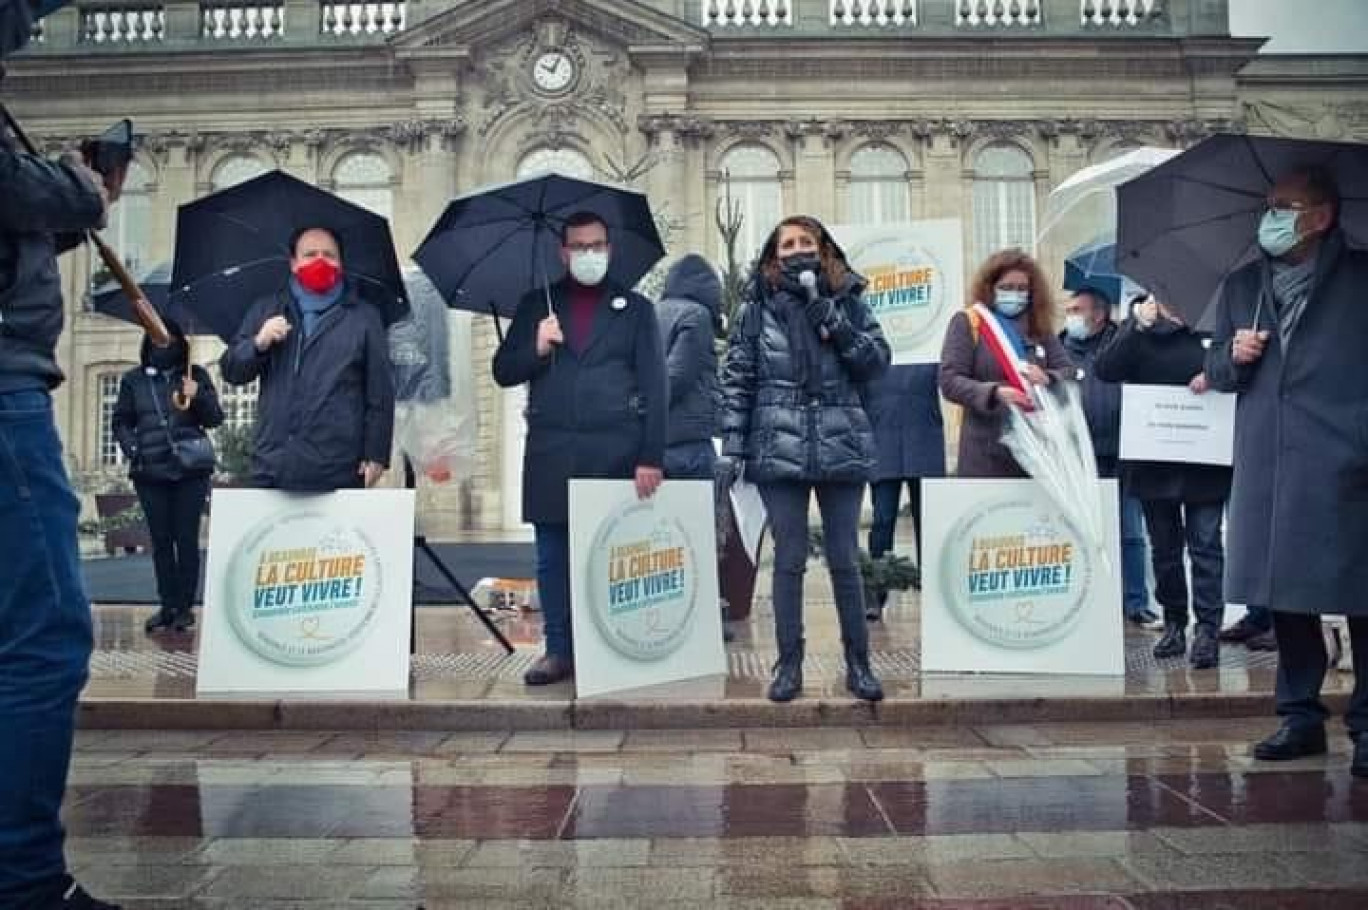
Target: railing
x,y
131,25
754,13
243,20
1120,13
363,18
873,13
127,23
998,14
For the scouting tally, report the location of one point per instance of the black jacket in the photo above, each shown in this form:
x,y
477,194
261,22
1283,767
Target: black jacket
x,y
1167,354
687,311
1101,399
38,199
769,418
144,426
598,414
326,403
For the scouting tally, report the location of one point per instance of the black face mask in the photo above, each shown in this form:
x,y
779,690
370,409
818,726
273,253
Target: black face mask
x,y
797,263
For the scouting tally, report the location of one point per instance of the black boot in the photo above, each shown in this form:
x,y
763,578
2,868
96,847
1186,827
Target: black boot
x,y
184,619
164,618
788,677
1173,644
1206,649
860,679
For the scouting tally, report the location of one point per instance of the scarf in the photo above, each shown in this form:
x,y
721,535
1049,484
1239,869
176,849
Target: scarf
x,y
1290,285
802,339
314,306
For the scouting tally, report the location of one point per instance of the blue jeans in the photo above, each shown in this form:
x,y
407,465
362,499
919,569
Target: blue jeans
x,y
1135,592
839,504
884,496
45,644
553,587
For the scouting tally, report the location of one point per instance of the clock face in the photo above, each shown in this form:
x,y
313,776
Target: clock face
x,y
553,72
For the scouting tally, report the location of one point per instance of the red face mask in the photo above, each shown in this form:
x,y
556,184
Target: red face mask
x,y
319,275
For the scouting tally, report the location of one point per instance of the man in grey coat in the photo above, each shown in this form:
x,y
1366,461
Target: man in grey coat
x,y
1289,337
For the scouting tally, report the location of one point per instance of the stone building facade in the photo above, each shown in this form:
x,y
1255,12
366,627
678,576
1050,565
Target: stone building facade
x,y
851,110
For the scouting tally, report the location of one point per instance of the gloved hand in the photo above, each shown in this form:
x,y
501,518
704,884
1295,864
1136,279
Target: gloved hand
x,y
820,312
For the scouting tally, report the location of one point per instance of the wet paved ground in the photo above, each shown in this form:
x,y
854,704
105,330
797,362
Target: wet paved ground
x,y
1069,816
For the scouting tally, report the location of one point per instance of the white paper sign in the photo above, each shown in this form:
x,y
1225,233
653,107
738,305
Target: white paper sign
x,y
643,581
1012,587
308,594
1171,423
915,271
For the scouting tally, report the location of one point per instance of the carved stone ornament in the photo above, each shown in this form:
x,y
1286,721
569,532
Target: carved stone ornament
x,y
748,129
506,73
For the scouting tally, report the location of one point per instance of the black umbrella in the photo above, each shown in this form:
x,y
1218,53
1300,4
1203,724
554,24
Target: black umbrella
x,y
492,246
1186,224
233,247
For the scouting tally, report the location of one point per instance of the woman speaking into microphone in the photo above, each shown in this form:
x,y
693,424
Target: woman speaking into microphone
x,y
794,422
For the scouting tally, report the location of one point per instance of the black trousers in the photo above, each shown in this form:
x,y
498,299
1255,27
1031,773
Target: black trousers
x,y
1174,525
173,513
1302,663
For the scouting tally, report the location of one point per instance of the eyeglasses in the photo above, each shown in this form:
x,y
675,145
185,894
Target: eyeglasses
x,y
598,246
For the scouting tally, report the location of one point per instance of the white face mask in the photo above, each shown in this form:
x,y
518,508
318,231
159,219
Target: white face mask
x,y
589,267
1076,326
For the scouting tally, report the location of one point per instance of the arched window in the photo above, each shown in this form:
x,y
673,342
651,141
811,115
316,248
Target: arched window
x,y
130,219
750,178
235,169
1004,200
878,186
365,178
567,161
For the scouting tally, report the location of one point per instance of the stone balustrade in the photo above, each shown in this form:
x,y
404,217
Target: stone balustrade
x,y
131,25
122,23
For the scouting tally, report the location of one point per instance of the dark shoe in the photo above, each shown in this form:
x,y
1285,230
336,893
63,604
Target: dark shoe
x,y
162,619
1142,618
788,679
1206,649
1264,641
1359,766
73,897
1241,631
1291,742
184,620
860,679
874,605
547,670
1173,644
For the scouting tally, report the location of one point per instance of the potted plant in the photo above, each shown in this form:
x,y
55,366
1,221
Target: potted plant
x,y
233,445
889,572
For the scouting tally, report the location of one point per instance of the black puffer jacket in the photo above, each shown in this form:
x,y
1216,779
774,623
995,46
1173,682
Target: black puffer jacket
x,y
687,311
38,199
771,421
144,436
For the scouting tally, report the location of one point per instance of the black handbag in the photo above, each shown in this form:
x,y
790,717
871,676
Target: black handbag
x,y
194,455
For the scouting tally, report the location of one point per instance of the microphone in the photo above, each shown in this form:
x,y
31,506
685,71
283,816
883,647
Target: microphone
x,y
808,279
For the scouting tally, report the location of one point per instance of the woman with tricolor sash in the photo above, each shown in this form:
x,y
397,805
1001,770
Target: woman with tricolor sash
x,y
1002,344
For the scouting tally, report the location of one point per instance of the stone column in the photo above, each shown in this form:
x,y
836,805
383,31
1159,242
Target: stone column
x,y
814,169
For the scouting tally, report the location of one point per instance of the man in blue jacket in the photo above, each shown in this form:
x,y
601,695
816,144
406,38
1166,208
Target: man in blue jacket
x,y
1088,328
325,415
45,625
